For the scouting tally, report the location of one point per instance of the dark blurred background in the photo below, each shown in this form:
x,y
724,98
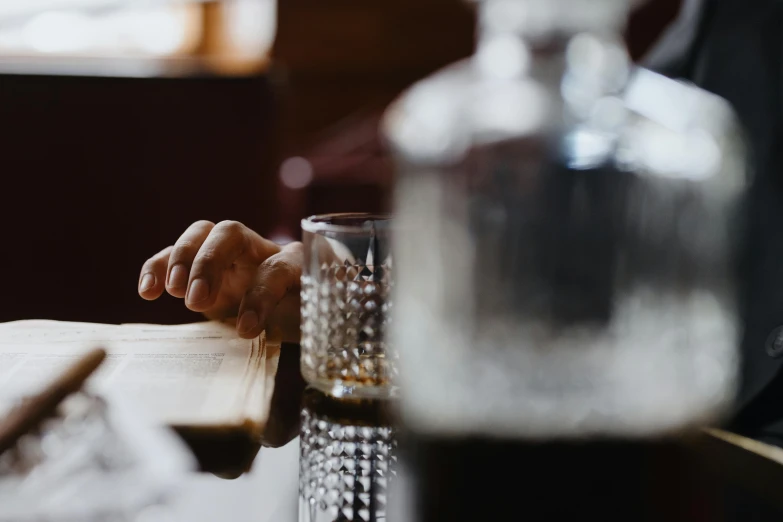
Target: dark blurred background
x,y
261,112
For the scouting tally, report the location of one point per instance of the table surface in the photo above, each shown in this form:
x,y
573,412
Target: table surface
x,y
268,493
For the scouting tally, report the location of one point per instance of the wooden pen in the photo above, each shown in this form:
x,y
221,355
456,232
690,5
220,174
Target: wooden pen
x,y
35,409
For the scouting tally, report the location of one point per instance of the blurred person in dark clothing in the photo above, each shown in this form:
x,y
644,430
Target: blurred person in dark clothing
x,y
733,48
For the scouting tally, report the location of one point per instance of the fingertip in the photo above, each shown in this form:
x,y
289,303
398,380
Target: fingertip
x,y
249,324
148,287
177,281
249,335
197,298
149,296
147,282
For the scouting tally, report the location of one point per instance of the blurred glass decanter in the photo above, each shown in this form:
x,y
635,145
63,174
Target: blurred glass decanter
x,y
571,230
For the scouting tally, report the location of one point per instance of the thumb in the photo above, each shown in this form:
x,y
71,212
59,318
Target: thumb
x,y
284,324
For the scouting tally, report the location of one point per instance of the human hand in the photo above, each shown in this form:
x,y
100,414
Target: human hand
x,y
227,270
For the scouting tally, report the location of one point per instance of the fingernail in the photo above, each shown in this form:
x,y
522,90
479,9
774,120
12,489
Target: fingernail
x,y
147,282
178,278
248,321
199,291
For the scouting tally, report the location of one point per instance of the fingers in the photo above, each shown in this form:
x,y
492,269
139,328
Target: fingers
x,y
210,266
182,255
153,275
277,277
227,241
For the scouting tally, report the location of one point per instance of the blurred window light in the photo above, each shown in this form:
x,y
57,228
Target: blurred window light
x,y
10,9
238,32
165,30
252,24
160,32
59,32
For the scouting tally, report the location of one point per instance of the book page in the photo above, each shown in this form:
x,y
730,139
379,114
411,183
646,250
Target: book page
x,y
185,375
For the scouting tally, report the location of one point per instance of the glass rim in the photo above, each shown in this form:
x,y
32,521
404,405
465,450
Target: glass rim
x,y
322,223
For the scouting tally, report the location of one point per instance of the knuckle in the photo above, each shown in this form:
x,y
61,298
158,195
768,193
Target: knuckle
x,y
203,223
279,266
182,250
258,292
184,244
206,259
230,227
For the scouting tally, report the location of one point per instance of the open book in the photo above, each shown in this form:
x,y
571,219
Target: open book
x,y
197,376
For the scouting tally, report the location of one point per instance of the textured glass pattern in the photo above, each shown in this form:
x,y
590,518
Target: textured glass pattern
x,y
346,304
344,470
345,313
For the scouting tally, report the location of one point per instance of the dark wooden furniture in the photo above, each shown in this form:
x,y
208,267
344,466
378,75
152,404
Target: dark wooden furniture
x,y
100,173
